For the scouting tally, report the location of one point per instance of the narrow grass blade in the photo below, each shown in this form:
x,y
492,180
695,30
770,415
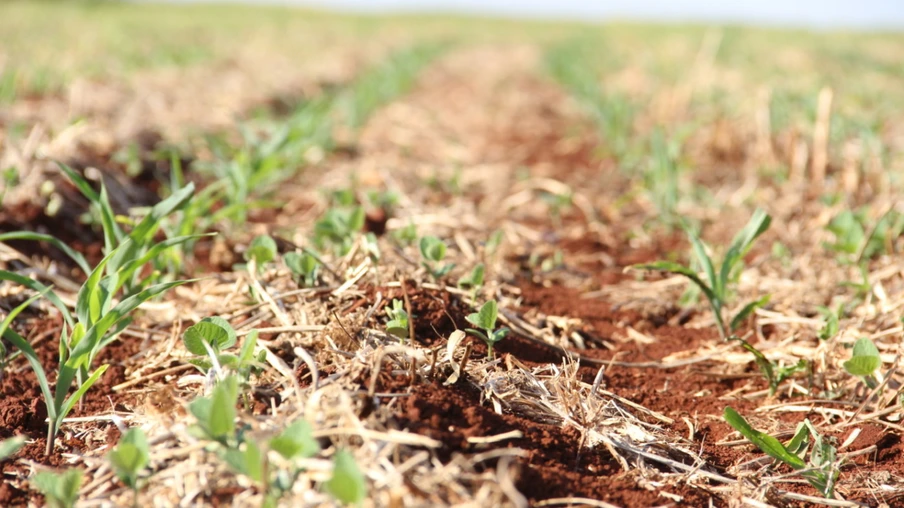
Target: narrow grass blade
x,y
52,240
766,443
40,288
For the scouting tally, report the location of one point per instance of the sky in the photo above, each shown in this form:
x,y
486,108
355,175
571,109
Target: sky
x,y
888,14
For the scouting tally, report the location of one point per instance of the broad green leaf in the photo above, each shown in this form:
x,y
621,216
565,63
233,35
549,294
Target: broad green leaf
x,y
248,461
348,484
59,489
766,443
296,441
486,316
432,248
473,279
865,359
215,331
130,456
52,240
8,447
222,409
262,249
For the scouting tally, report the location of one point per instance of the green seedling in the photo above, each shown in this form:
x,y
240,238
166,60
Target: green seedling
x,y
371,247
864,361
493,242
433,252
338,228
717,288
210,337
485,319
9,447
661,176
774,373
406,235
304,266
557,204
60,489
348,484
101,314
139,242
10,178
473,280
216,413
821,471
250,459
832,323
856,240
261,251
398,320
129,459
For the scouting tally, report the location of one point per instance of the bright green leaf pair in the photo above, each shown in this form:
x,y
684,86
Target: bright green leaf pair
x,y
485,319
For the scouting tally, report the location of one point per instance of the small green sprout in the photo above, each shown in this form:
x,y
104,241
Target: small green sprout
x,y
716,285
493,242
216,413
60,489
338,228
398,320
348,484
473,280
250,459
304,266
296,441
717,288
262,250
210,336
856,240
433,251
831,327
129,459
372,247
8,447
406,235
822,470
485,319
864,361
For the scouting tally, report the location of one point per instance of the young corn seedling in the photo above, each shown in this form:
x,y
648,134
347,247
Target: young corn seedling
x,y
398,320
304,267
60,489
348,484
98,320
433,252
129,459
485,319
716,286
822,470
